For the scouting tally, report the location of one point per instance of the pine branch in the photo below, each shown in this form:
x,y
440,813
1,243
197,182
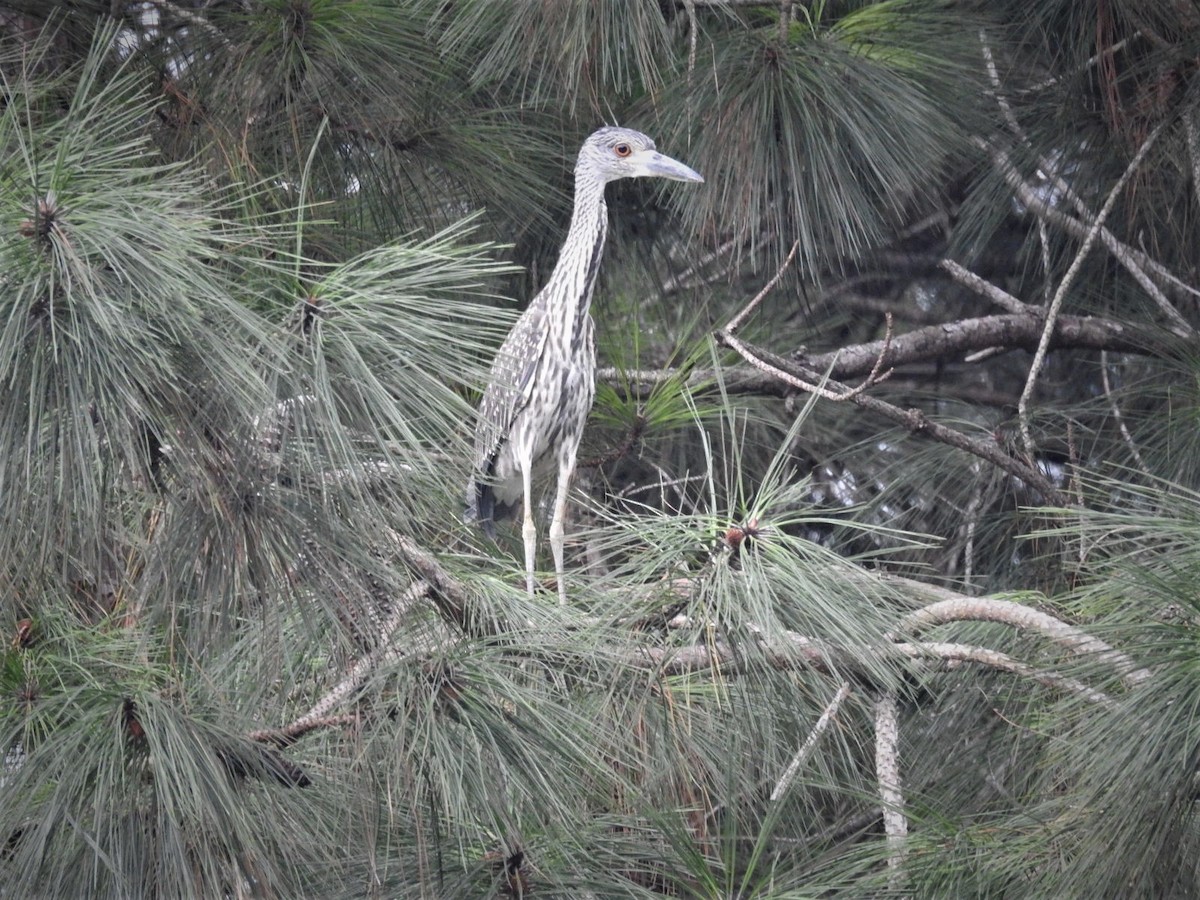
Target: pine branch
x,y
887,770
959,608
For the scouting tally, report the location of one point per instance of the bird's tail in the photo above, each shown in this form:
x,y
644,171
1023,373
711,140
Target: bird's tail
x,y
481,507
484,508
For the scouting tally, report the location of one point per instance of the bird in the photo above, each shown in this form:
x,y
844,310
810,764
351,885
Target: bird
x,y
542,381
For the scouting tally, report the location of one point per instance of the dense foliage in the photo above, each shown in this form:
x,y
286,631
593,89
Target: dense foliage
x,y
883,550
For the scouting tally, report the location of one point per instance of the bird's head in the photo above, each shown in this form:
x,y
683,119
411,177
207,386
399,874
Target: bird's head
x,y
612,153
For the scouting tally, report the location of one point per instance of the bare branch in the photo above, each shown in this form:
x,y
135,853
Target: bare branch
x,y
1191,132
192,18
690,6
989,63
1116,411
783,649
448,594
284,737
814,385
1137,263
362,670
945,341
915,420
985,288
972,517
737,321
1090,63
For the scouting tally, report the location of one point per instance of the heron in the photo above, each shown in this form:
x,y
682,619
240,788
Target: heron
x,y
542,382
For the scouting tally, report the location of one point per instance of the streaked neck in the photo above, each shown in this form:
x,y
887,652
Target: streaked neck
x,y
574,277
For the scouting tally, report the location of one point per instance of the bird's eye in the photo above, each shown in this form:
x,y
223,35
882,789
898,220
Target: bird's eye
x,y
622,150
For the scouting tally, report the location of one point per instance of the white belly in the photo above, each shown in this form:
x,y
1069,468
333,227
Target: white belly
x,y
545,434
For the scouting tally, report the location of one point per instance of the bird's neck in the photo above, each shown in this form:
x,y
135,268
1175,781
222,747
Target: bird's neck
x,y
574,277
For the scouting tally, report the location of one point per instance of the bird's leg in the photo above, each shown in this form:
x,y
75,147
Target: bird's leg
x,y
566,466
528,529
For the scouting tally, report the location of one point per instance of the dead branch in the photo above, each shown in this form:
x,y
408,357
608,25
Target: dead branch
x,y
945,342
1113,405
984,288
914,420
288,735
447,594
811,383
1140,265
1068,280
737,321
360,672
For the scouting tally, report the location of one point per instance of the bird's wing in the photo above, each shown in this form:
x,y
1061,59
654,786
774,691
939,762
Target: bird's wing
x,y
511,384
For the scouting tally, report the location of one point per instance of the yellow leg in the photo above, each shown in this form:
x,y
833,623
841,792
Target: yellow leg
x,y
528,529
566,467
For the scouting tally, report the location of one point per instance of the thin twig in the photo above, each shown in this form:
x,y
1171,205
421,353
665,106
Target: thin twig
x,y
1136,262
983,287
1068,280
1191,131
1044,241
1089,63
754,356
675,282
1048,169
972,516
810,742
994,77
913,419
1019,133
741,317
1116,411
690,7
192,18
661,485
876,374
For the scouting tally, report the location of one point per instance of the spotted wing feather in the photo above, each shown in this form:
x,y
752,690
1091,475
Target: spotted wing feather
x,y
509,390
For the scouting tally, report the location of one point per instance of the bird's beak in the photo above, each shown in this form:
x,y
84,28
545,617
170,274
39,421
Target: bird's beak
x,y
656,165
